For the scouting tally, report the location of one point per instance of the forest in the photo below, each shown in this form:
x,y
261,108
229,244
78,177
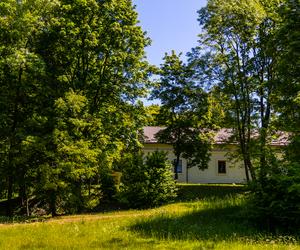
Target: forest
x,y
72,77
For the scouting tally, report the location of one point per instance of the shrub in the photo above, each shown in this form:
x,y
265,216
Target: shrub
x,y
108,186
147,182
277,198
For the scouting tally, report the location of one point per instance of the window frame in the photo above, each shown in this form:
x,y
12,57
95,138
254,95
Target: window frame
x,y
220,167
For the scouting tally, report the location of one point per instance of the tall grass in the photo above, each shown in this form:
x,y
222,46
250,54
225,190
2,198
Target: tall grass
x,y
211,222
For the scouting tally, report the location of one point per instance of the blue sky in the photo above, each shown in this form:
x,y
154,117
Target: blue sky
x,y
171,24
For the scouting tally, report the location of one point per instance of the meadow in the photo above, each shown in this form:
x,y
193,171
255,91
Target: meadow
x,y
203,217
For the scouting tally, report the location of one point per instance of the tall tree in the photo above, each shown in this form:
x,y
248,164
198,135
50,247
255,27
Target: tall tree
x,y
70,74
287,39
283,178
240,62
96,48
182,111
21,72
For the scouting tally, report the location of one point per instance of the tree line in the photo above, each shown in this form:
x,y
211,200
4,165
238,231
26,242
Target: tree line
x,y
70,73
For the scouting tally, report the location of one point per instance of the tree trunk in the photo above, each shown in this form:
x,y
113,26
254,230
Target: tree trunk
x,y
22,187
9,211
246,170
187,174
176,166
250,167
10,180
52,202
263,162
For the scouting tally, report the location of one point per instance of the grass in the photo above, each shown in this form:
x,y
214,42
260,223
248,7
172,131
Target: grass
x,y
192,192
210,222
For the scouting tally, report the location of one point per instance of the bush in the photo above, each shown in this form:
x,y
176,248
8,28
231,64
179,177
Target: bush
x,y
277,199
147,182
108,186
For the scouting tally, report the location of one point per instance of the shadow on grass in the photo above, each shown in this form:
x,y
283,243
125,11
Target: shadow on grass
x,y
215,224
191,192
23,219
121,243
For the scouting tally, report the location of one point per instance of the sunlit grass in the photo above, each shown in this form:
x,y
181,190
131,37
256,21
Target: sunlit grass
x,y
209,223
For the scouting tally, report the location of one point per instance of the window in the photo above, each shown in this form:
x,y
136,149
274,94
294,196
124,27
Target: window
x,y
221,167
179,166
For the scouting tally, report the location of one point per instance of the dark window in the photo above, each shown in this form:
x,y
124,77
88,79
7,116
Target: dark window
x,y
222,167
179,166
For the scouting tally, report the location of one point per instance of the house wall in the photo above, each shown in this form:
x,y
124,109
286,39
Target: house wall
x,y
235,172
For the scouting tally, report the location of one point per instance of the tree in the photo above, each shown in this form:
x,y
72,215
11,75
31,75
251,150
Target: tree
x,y
240,63
95,48
21,71
248,52
70,74
147,181
288,105
104,59
152,112
74,173
183,109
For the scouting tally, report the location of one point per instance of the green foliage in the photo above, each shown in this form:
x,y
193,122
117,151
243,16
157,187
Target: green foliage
x,y
184,111
152,112
109,187
248,56
277,200
288,103
76,157
289,61
276,197
70,75
236,59
21,92
147,182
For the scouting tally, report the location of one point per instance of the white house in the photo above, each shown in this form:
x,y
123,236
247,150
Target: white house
x,y
220,168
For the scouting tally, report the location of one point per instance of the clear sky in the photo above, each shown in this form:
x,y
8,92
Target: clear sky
x,y
171,24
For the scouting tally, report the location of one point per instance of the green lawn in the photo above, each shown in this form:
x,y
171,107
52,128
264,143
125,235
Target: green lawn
x,y
211,222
